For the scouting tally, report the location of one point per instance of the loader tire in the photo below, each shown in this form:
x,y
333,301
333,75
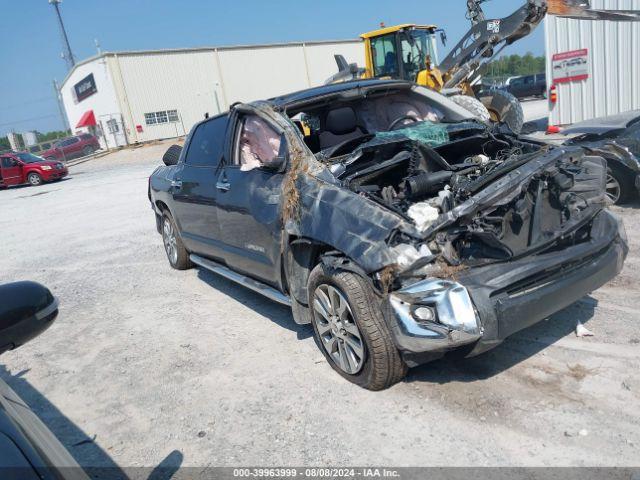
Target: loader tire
x,y
474,106
504,108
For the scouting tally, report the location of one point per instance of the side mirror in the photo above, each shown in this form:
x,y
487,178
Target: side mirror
x,y
172,155
277,164
443,37
26,310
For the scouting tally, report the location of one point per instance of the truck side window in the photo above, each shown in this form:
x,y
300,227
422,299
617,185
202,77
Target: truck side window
x,y
259,143
207,143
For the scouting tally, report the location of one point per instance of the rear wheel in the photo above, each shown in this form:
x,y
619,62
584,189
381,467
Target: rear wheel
x,y
350,330
34,179
504,107
474,106
88,150
177,255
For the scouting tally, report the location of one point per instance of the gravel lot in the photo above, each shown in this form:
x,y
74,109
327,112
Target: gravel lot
x,y
187,368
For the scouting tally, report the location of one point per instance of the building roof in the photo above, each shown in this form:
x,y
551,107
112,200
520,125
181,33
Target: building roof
x,y
199,49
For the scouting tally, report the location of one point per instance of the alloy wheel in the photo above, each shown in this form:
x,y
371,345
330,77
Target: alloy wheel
x,y
613,188
337,329
169,239
34,179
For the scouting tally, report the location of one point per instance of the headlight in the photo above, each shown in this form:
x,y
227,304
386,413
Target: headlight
x,y
46,167
437,301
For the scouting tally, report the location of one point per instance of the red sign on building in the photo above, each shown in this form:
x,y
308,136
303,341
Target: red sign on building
x,y
571,66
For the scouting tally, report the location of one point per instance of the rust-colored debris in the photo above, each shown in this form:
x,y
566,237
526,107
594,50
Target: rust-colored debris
x,y
387,276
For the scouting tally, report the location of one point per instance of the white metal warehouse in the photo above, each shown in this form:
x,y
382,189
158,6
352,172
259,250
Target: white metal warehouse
x,y
595,66
129,97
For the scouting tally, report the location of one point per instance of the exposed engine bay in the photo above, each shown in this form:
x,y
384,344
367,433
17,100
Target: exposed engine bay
x,y
426,171
473,194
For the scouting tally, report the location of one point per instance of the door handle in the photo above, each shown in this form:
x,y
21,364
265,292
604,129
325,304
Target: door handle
x,y
223,185
177,184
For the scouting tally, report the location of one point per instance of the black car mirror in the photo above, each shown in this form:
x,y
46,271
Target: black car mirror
x,y
26,310
172,155
443,36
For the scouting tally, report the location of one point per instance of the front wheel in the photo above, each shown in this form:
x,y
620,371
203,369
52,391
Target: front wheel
x,y
34,179
177,255
350,330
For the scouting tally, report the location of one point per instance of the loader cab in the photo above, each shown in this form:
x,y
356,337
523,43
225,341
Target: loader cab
x,y
400,51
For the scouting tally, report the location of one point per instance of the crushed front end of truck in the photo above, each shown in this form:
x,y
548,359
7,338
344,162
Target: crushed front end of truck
x,y
468,234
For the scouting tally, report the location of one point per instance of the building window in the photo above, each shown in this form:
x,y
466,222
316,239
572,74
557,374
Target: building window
x,y
165,116
173,115
150,118
161,117
112,126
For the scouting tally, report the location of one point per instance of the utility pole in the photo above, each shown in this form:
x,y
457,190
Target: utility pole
x,y
68,54
63,117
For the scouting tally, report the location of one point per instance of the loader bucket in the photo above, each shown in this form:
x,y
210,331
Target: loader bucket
x,y
581,9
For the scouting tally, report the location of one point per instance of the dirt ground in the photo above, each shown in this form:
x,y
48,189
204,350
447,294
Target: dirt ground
x,y
147,365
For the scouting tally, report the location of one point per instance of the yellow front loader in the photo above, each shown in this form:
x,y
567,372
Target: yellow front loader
x,y
409,51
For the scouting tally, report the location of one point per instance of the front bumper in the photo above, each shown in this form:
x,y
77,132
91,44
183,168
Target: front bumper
x,y
488,304
54,174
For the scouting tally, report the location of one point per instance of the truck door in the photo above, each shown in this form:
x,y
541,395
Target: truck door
x,y
10,171
249,196
193,188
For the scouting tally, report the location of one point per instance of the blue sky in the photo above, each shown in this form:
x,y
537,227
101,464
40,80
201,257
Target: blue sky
x,y
31,43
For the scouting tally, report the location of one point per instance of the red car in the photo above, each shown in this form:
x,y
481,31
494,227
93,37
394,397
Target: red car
x,y
72,147
22,167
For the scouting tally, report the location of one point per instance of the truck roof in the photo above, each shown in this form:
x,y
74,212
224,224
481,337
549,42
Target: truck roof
x,y
335,88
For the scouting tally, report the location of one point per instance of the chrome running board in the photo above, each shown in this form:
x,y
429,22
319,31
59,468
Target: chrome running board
x,y
250,283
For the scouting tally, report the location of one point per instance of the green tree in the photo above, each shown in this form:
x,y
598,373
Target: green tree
x,y
514,65
4,144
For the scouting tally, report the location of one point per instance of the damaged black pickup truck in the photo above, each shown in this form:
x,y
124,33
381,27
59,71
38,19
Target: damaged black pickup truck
x,y
386,217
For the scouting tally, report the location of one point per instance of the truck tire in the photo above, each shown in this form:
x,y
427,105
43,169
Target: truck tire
x,y
474,106
350,330
34,179
504,107
620,185
177,255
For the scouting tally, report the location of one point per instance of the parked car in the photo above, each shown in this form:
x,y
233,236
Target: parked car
x,y
28,449
617,139
17,168
528,86
72,147
389,219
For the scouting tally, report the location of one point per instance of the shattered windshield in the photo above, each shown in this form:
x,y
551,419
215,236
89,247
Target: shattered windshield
x,y
428,133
